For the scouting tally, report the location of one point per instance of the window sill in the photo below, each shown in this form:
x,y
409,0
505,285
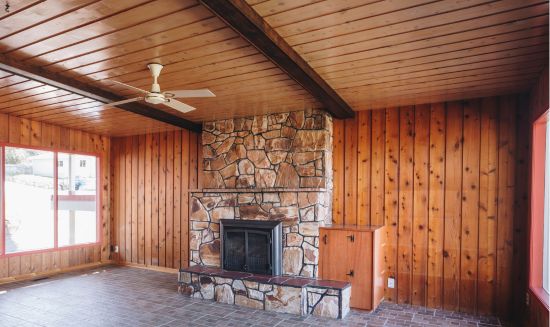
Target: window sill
x,y
541,295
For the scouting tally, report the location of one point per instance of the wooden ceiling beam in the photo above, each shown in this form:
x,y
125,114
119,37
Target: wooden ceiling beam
x,y
249,24
68,84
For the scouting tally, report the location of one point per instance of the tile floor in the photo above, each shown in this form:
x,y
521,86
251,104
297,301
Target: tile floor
x,y
122,296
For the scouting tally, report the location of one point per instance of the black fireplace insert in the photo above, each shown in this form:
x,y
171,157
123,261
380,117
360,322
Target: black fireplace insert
x,y
251,246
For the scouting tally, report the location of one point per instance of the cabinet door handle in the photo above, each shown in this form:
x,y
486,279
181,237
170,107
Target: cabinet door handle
x,y
351,238
351,273
325,238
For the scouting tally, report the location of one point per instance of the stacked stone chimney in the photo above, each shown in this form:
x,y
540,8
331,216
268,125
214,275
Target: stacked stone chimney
x,y
269,167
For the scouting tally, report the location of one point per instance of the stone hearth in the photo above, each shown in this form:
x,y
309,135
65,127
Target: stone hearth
x,y
297,295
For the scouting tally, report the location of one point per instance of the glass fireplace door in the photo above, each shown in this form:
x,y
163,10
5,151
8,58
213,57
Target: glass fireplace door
x,y
247,250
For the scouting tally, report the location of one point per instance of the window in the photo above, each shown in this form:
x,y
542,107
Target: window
x,y
47,205
540,210
76,200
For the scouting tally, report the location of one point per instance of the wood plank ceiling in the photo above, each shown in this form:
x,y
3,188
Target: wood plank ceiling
x,y
377,54
98,41
373,53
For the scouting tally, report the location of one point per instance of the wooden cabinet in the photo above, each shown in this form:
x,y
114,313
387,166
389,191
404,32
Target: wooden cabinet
x,y
354,254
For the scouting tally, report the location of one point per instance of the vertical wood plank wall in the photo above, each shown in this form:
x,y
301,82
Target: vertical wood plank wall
x,y
151,176
18,131
446,179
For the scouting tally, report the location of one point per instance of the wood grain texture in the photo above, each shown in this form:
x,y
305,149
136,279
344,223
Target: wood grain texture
x,y
445,167
25,132
166,166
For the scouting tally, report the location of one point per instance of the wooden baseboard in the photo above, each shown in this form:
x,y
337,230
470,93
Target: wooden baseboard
x,y
57,271
148,267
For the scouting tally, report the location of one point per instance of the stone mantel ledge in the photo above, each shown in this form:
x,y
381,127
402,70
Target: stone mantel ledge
x,y
256,190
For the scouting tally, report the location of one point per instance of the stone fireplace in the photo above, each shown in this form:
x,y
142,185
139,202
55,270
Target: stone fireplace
x,y
273,175
274,167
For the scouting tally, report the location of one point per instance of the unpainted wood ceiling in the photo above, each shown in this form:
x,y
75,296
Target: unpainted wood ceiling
x,y
373,53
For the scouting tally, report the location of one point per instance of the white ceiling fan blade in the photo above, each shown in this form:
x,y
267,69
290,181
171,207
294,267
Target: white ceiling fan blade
x,y
130,87
202,93
125,101
179,106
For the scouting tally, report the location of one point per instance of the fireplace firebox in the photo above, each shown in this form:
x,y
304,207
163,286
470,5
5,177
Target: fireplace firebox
x,y
251,246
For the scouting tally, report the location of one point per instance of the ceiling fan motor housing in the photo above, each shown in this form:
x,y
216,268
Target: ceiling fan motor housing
x,y
155,72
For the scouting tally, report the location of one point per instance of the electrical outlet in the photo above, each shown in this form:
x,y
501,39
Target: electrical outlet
x,y
114,248
391,282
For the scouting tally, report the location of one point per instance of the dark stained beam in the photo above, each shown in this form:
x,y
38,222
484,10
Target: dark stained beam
x,y
246,21
71,85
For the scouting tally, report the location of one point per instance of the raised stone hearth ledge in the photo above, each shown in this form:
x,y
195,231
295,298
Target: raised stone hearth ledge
x,y
296,295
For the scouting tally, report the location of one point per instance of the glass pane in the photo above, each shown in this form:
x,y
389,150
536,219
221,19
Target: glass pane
x,y
258,252
29,199
77,195
234,250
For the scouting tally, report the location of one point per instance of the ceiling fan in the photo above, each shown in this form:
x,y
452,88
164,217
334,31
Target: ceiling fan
x,y
167,98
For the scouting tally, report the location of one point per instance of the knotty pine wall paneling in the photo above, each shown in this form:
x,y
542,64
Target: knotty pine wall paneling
x,y
151,177
447,180
24,132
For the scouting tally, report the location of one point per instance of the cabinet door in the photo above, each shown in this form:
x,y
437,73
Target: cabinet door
x,y
334,249
360,258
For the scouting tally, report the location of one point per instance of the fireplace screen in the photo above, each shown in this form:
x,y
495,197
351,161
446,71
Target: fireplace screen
x,y
251,246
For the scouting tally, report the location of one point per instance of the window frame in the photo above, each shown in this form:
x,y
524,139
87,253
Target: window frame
x,y
55,151
537,207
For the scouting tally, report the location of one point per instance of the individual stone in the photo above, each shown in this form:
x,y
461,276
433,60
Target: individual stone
x,y
210,202
287,176
225,126
284,213
327,307
230,171
270,197
311,140
288,198
210,253
278,144
311,254
199,225
238,285
292,261
212,179
307,214
249,303
224,294
259,142
251,284
301,158
195,239
246,198
312,182
256,295
236,152
278,118
252,212
272,134
225,146
276,157
259,125
207,288
266,287
309,229
198,212
230,182
259,158
265,178
284,299
216,163
222,137
288,132
222,213
249,142
245,181
208,126
294,239
297,119
306,170
208,138
246,167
